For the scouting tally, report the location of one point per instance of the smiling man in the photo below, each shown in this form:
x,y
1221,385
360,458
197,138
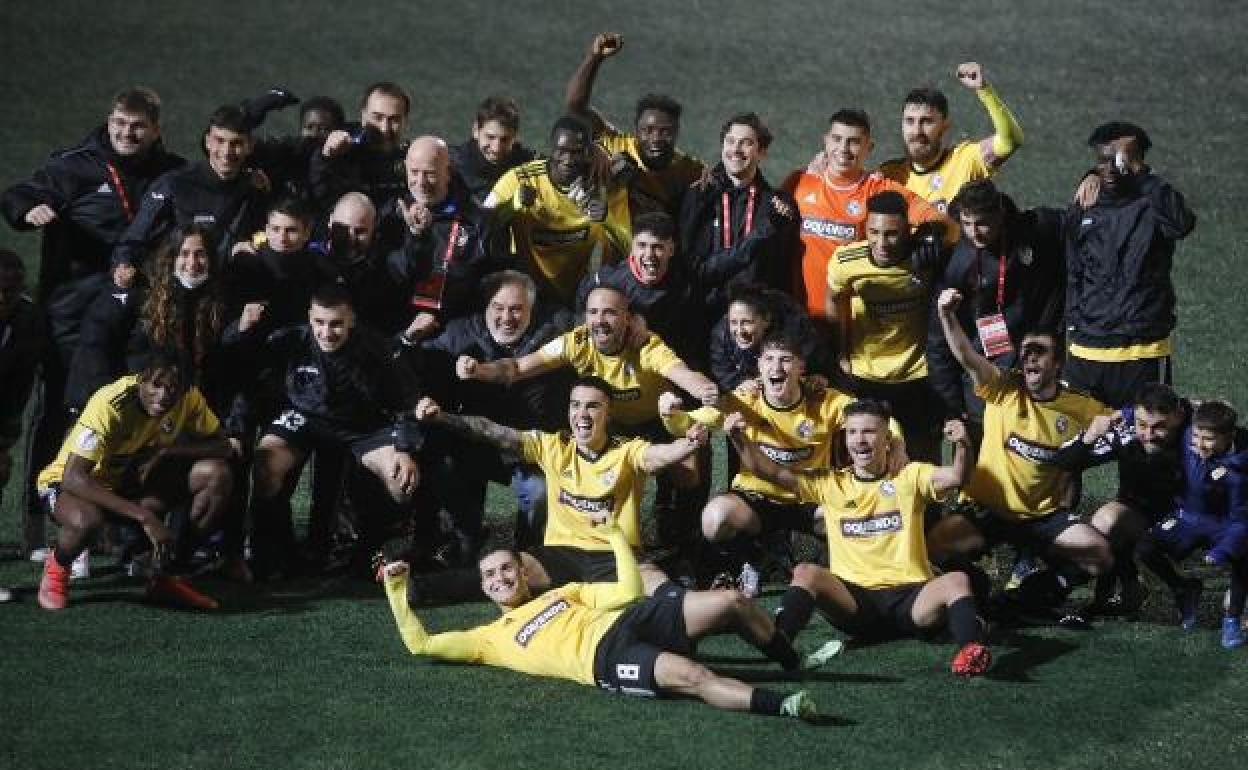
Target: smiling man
x,y
366,156
493,149
663,172
605,633
1023,496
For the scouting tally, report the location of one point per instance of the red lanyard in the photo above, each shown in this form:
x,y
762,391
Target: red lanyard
x,y
1000,279
454,236
725,229
121,191
427,294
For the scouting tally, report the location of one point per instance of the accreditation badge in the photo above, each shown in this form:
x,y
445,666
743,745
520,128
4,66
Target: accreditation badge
x,y
993,335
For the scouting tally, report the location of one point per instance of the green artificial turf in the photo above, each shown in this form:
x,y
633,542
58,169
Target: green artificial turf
x,y
311,674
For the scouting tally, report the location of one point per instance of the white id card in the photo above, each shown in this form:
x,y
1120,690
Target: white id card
x,y
993,335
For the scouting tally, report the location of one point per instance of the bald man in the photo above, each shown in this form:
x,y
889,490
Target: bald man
x,y
439,242
356,252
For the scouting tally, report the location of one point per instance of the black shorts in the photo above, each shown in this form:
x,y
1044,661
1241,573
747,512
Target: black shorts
x,y
882,612
314,434
625,658
777,516
1151,513
1115,383
916,406
568,564
1039,532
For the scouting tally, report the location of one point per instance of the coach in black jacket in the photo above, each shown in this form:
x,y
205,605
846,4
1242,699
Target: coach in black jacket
x,y
1007,263
1120,299
735,215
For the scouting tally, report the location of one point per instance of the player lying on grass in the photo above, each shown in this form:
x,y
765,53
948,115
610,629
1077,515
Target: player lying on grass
x,y
606,633
143,446
880,582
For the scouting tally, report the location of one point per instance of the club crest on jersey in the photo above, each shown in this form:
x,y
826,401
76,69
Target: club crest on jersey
x,y
1217,473
88,440
166,425
854,208
888,489
608,478
806,428
1061,423
1026,255
937,181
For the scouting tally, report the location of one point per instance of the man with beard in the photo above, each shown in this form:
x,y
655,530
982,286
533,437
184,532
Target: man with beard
x,y
562,214
493,149
879,583
832,202
589,633
513,324
934,172
878,294
1008,264
1146,440
592,477
447,244
663,173
795,425
737,216
367,156
219,192
82,200
1120,299
1020,495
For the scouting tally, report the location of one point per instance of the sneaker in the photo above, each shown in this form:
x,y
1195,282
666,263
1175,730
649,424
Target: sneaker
x,y
81,568
54,586
748,582
972,660
178,591
800,706
820,657
1023,566
1188,600
1232,632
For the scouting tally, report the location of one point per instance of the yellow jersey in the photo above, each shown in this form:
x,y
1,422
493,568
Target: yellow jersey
x,y
1014,476
637,376
113,431
665,186
799,437
582,491
960,164
553,236
875,528
556,634
887,327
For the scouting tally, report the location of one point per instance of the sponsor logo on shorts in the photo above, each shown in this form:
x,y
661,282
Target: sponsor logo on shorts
x,y
629,671
1039,454
786,455
591,506
870,526
540,621
829,230
559,237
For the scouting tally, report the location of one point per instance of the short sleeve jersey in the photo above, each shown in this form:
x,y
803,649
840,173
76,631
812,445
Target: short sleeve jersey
x,y
665,186
888,315
113,430
1015,476
636,376
582,492
834,216
554,237
961,164
875,528
555,635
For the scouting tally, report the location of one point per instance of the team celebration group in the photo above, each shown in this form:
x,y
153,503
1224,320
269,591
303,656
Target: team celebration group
x,y
909,370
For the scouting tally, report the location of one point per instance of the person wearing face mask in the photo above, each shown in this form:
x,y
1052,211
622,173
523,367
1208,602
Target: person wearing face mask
x,y
493,149
220,192
737,217
662,172
513,323
447,243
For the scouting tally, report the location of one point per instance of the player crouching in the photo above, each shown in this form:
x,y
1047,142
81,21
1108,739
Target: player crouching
x,y
144,446
880,582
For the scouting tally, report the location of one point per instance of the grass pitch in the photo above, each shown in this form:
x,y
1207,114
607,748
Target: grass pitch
x,y
312,675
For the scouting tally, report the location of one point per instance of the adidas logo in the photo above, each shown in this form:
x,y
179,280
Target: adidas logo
x,y
104,188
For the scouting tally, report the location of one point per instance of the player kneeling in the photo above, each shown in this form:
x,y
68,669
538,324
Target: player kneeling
x,y
880,582
144,446
607,633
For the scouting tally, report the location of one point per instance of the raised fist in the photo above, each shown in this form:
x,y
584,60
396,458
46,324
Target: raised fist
x,y
949,300
971,75
466,368
336,143
606,44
